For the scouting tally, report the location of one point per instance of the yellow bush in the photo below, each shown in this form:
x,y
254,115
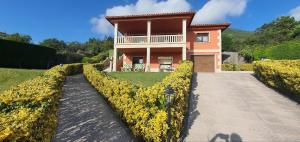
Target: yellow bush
x,y
28,110
281,74
240,67
144,108
228,67
246,67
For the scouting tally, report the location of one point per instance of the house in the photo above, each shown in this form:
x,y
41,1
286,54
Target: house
x,y
158,42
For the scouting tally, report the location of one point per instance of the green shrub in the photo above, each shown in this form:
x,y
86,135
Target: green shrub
x,y
144,108
28,110
283,75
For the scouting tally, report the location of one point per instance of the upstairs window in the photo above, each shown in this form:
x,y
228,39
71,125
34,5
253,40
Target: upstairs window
x,y
202,37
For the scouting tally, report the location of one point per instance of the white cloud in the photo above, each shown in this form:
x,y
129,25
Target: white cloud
x,y
102,26
218,10
213,11
296,13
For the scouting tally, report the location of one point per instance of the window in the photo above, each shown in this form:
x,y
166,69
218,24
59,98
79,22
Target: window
x,y
165,63
202,37
137,60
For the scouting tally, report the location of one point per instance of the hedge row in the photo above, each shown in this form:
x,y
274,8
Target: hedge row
x,y
283,74
23,55
28,111
144,109
235,67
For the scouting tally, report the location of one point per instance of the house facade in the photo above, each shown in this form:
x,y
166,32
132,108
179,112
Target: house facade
x,y
158,42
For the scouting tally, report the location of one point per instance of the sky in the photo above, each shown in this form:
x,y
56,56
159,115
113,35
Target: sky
x,y
79,20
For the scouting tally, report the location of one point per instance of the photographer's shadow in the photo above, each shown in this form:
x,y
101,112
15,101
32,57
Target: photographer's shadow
x,y
227,138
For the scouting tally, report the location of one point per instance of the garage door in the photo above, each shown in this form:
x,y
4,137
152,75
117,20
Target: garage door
x,y
204,63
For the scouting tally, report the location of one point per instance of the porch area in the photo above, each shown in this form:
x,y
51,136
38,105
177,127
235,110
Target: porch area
x,y
149,59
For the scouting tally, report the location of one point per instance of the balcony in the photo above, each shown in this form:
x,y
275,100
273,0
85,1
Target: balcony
x,y
154,39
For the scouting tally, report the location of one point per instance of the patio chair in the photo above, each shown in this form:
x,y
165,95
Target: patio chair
x,y
139,67
127,67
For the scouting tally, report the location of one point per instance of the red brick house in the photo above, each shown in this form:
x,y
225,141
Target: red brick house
x,y
158,42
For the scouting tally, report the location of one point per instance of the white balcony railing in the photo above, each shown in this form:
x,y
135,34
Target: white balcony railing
x,y
153,39
132,39
166,39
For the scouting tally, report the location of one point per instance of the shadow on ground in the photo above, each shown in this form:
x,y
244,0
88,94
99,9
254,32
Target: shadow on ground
x,y
192,113
227,138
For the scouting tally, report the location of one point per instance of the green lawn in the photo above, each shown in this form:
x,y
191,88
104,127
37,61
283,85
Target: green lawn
x,y
10,77
144,79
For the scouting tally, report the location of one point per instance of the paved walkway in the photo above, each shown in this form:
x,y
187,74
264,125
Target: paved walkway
x,y
234,107
85,116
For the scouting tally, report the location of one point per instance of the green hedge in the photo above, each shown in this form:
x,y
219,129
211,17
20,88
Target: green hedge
x,y
240,67
28,111
283,75
289,50
144,109
22,55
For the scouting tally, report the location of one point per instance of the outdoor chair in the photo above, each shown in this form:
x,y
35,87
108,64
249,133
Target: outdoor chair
x,y
127,67
139,67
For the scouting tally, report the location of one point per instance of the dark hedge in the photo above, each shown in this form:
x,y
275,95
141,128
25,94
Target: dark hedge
x,y
22,55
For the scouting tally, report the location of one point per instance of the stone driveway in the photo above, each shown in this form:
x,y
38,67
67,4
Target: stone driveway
x,y
235,107
84,116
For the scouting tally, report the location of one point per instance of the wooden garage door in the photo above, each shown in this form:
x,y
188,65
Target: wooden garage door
x,y
204,63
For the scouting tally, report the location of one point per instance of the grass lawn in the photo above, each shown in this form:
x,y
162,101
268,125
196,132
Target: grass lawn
x,y
144,79
10,77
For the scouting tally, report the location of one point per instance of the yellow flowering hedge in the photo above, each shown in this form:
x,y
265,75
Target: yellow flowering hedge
x,y
281,74
240,67
246,67
144,109
28,110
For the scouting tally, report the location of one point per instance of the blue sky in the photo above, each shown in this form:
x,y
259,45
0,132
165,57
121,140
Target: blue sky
x,y
70,20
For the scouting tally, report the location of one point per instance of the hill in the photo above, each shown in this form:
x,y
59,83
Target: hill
x,y
240,35
289,50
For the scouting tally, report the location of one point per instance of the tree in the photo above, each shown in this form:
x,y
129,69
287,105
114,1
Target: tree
x,y
227,43
92,46
107,43
74,46
3,35
296,32
59,45
277,31
18,37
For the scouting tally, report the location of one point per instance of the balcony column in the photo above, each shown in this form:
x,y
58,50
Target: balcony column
x,y
148,31
148,47
148,59
184,39
115,48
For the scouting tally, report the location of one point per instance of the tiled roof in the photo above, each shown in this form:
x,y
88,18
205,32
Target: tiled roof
x,y
191,13
210,25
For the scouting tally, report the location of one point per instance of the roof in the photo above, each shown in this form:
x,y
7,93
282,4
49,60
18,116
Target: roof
x,y
152,15
222,26
188,15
